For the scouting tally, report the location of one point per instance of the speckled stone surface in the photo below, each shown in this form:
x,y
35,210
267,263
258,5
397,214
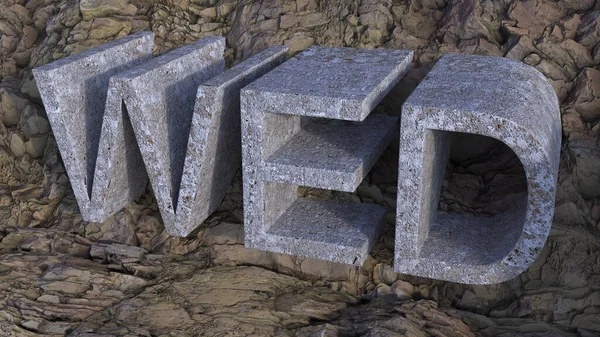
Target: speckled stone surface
x,y
117,114
160,96
213,154
284,145
342,229
488,96
93,132
334,156
185,115
338,83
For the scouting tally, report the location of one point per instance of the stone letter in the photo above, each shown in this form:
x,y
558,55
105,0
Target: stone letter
x,y
286,143
488,96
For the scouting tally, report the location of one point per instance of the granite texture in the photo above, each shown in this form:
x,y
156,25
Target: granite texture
x,y
92,130
339,83
346,231
213,154
185,114
176,116
160,96
346,152
491,97
284,145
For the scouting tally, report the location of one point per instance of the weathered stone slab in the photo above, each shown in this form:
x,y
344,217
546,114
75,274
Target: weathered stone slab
x,y
186,122
346,153
339,83
284,146
94,137
345,231
488,96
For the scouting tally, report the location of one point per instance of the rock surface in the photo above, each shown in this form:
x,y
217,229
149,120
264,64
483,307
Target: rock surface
x,y
51,285
66,289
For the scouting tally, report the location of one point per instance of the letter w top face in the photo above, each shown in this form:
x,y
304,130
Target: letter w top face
x,y
487,96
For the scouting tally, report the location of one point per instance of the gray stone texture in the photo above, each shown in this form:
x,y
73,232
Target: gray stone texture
x,y
336,83
92,130
492,97
160,96
346,152
213,154
308,123
185,114
116,113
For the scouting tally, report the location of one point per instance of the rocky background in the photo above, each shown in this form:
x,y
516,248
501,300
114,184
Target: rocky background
x,y
126,277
